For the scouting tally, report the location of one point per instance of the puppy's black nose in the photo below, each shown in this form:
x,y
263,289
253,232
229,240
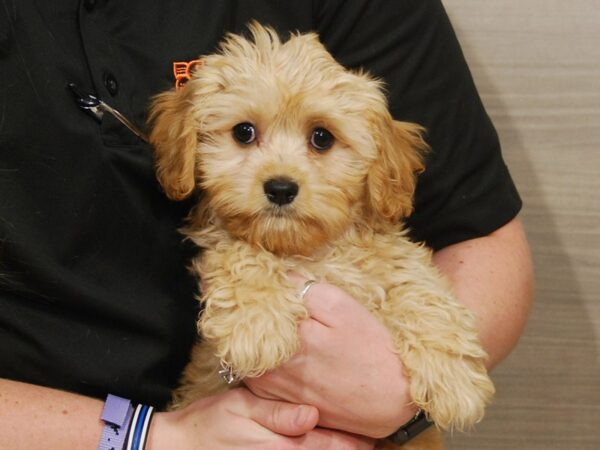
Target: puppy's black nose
x,y
280,191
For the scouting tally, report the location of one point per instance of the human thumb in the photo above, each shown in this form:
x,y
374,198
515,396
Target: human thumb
x,y
285,418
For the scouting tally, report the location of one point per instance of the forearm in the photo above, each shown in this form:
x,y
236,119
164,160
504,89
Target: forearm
x,y
34,417
493,277
39,417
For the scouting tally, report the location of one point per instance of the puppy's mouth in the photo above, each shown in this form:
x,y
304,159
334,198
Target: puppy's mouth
x,y
280,212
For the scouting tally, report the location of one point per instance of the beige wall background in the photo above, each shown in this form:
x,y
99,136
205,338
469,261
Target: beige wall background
x,y
536,64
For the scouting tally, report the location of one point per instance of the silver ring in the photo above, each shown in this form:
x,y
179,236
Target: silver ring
x,y
306,288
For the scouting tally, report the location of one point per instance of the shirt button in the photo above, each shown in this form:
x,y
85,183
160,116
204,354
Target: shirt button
x,y
111,84
89,4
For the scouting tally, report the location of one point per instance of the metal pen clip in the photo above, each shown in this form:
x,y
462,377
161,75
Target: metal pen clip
x,y
96,108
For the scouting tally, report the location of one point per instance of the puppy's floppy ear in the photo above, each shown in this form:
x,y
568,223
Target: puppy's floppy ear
x,y
174,136
392,178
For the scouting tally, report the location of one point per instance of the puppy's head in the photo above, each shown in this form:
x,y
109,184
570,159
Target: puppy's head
x,y
289,147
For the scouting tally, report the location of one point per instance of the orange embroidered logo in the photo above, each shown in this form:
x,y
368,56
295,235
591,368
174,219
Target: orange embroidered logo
x,y
183,71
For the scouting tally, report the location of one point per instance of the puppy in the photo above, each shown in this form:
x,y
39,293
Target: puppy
x,y
300,167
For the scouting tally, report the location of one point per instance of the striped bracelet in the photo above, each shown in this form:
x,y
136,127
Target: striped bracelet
x,y
138,429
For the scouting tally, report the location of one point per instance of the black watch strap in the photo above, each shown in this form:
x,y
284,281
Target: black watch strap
x,y
417,424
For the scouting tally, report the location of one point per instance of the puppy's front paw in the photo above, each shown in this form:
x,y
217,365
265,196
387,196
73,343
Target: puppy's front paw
x,y
258,344
438,343
256,334
453,389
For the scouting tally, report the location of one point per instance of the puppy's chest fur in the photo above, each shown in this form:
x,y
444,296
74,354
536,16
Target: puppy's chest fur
x,y
365,264
368,266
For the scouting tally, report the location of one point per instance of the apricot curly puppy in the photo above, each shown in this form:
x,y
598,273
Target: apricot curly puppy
x,y
301,167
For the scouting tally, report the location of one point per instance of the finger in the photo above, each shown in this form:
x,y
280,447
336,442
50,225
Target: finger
x,y
284,418
313,334
321,299
328,304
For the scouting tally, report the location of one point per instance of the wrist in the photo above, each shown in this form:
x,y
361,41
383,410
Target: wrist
x,y
163,433
402,417
409,409
399,410
409,413
412,428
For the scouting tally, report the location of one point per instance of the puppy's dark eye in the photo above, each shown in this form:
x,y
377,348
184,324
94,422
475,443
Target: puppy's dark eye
x,y
321,139
244,133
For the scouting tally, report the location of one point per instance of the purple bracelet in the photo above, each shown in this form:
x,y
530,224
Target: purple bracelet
x,y
116,415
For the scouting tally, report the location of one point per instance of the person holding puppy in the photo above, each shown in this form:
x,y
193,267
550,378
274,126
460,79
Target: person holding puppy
x,y
95,295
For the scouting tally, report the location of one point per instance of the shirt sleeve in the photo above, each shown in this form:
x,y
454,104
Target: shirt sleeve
x,y
466,190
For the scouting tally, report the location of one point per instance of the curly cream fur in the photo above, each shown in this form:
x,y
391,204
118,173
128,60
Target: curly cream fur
x,y
341,228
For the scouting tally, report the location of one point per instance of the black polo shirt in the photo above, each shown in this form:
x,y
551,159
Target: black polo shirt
x,y
94,292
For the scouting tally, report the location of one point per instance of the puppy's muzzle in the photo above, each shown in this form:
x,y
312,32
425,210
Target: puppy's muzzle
x,y
280,191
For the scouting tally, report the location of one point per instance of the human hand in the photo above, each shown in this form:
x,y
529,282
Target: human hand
x,y
347,368
239,419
